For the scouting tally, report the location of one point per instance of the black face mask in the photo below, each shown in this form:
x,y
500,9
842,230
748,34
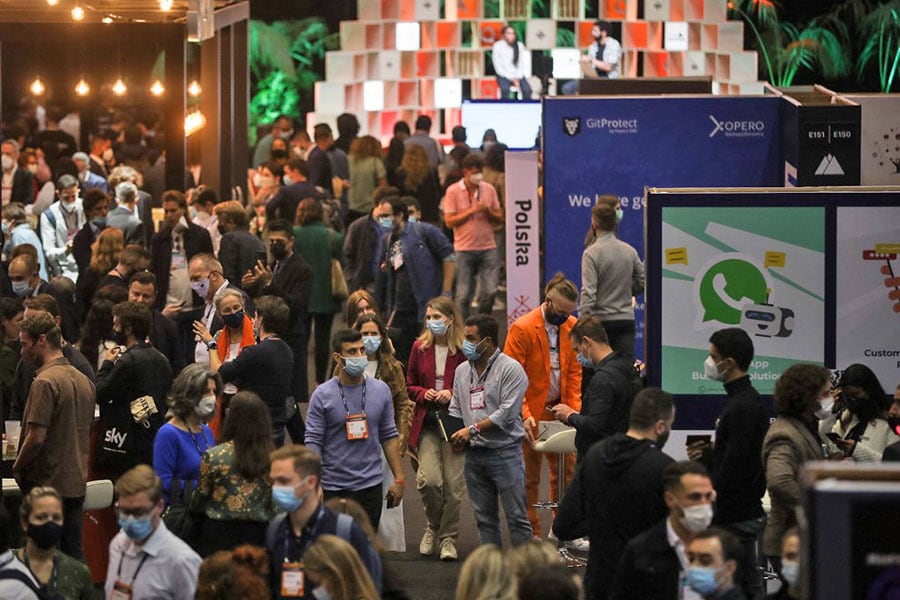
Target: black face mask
x,y
279,249
221,229
45,536
118,337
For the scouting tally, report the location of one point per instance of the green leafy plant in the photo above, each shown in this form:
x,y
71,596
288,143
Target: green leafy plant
x,y
285,64
820,46
881,32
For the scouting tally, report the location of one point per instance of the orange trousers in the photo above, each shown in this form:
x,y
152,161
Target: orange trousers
x,y
533,480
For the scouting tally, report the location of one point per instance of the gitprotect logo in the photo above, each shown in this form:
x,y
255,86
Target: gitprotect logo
x,y
737,129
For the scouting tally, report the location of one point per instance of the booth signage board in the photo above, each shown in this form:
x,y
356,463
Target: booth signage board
x,y
829,145
620,145
880,139
804,272
523,255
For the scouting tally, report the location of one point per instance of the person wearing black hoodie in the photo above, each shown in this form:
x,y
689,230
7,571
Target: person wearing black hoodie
x,y
607,400
617,489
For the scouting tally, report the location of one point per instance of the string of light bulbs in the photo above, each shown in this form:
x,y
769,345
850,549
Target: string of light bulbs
x,y
79,11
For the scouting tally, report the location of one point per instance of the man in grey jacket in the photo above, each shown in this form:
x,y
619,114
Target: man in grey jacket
x,y
611,275
123,217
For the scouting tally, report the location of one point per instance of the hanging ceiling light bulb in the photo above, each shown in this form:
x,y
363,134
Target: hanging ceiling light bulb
x,y
78,13
37,86
82,88
119,88
194,89
157,89
107,19
165,5
52,2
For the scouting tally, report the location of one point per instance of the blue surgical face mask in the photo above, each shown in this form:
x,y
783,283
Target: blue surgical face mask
x,y
235,319
386,223
620,214
20,288
287,180
437,326
702,580
284,497
470,350
201,287
354,366
137,528
790,570
585,361
413,219
320,593
372,343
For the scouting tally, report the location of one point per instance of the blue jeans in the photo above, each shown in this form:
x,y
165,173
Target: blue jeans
x,y
497,472
483,264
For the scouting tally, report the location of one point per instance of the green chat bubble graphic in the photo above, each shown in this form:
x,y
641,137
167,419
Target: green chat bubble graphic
x,y
726,286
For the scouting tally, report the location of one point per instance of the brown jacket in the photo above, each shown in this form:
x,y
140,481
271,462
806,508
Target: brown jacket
x,y
788,444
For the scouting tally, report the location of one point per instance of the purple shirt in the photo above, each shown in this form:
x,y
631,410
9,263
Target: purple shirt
x,y
349,465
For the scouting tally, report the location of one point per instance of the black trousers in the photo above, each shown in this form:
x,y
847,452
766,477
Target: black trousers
x,y
369,498
621,336
321,342
72,527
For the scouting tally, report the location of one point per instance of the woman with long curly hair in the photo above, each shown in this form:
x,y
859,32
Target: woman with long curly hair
x,y
104,256
367,172
242,573
416,177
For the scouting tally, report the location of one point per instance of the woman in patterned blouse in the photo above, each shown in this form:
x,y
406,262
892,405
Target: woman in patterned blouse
x,y
233,492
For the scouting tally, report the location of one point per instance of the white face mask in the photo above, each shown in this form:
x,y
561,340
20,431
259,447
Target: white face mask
x,y
476,178
826,405
8,162
206,407
711,371
108,155
697,518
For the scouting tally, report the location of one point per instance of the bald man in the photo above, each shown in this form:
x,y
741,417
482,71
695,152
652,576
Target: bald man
x,y
24,276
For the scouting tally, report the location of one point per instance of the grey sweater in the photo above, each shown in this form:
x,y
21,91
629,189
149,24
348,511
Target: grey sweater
x,y
611,273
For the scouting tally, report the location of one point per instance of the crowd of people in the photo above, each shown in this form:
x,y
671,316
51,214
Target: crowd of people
x,y
173,360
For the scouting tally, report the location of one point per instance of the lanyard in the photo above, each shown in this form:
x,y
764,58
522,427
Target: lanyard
x,y
344,400
472,380
196,445
136,571
306,537
53,584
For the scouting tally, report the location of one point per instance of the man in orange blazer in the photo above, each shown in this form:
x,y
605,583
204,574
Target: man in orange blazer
x,y
539,341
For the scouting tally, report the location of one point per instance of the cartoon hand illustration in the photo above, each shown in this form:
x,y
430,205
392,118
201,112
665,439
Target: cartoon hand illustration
x,y
892,282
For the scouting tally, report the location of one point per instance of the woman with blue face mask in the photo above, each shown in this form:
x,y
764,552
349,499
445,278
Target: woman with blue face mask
x,y
433,361
335,571
382,365
181,443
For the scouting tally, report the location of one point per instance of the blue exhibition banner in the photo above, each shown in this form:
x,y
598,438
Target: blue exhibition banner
x,y
620,145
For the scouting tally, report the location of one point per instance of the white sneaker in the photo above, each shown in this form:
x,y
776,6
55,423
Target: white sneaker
x,y
426,546
551,537
581,545
448,549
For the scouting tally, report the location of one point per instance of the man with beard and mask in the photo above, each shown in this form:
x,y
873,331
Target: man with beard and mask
x,y
88,180
735,461
18,184
296,475
654,564
540,341
130,370
171,249
290,278
96,209
625,470
892,452
206,281
163,330
146,560
58,416
715,557
606,400
59,225
604,55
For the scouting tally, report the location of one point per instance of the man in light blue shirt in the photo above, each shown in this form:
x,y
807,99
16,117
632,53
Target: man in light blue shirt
x,y
349,422
487,395
18,230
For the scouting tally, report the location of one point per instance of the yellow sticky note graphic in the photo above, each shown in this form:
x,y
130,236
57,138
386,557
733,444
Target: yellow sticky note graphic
x,y
887,248
775,259
676,256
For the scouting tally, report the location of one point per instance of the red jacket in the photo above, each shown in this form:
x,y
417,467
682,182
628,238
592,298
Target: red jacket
x,y
420,379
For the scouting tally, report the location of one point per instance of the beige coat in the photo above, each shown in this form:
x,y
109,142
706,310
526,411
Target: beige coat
x,y
788,444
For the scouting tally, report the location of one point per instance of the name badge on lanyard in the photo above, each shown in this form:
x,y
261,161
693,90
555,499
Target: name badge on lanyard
x,y
292,580
120,591
554,358
476,398
357,427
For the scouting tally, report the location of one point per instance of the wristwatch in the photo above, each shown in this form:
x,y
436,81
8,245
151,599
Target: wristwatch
x,y
212,345
473,430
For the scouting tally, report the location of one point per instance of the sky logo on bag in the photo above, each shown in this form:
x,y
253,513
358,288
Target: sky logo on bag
x,y
116,437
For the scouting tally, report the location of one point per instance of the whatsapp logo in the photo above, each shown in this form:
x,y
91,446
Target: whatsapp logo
x,y
729,284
